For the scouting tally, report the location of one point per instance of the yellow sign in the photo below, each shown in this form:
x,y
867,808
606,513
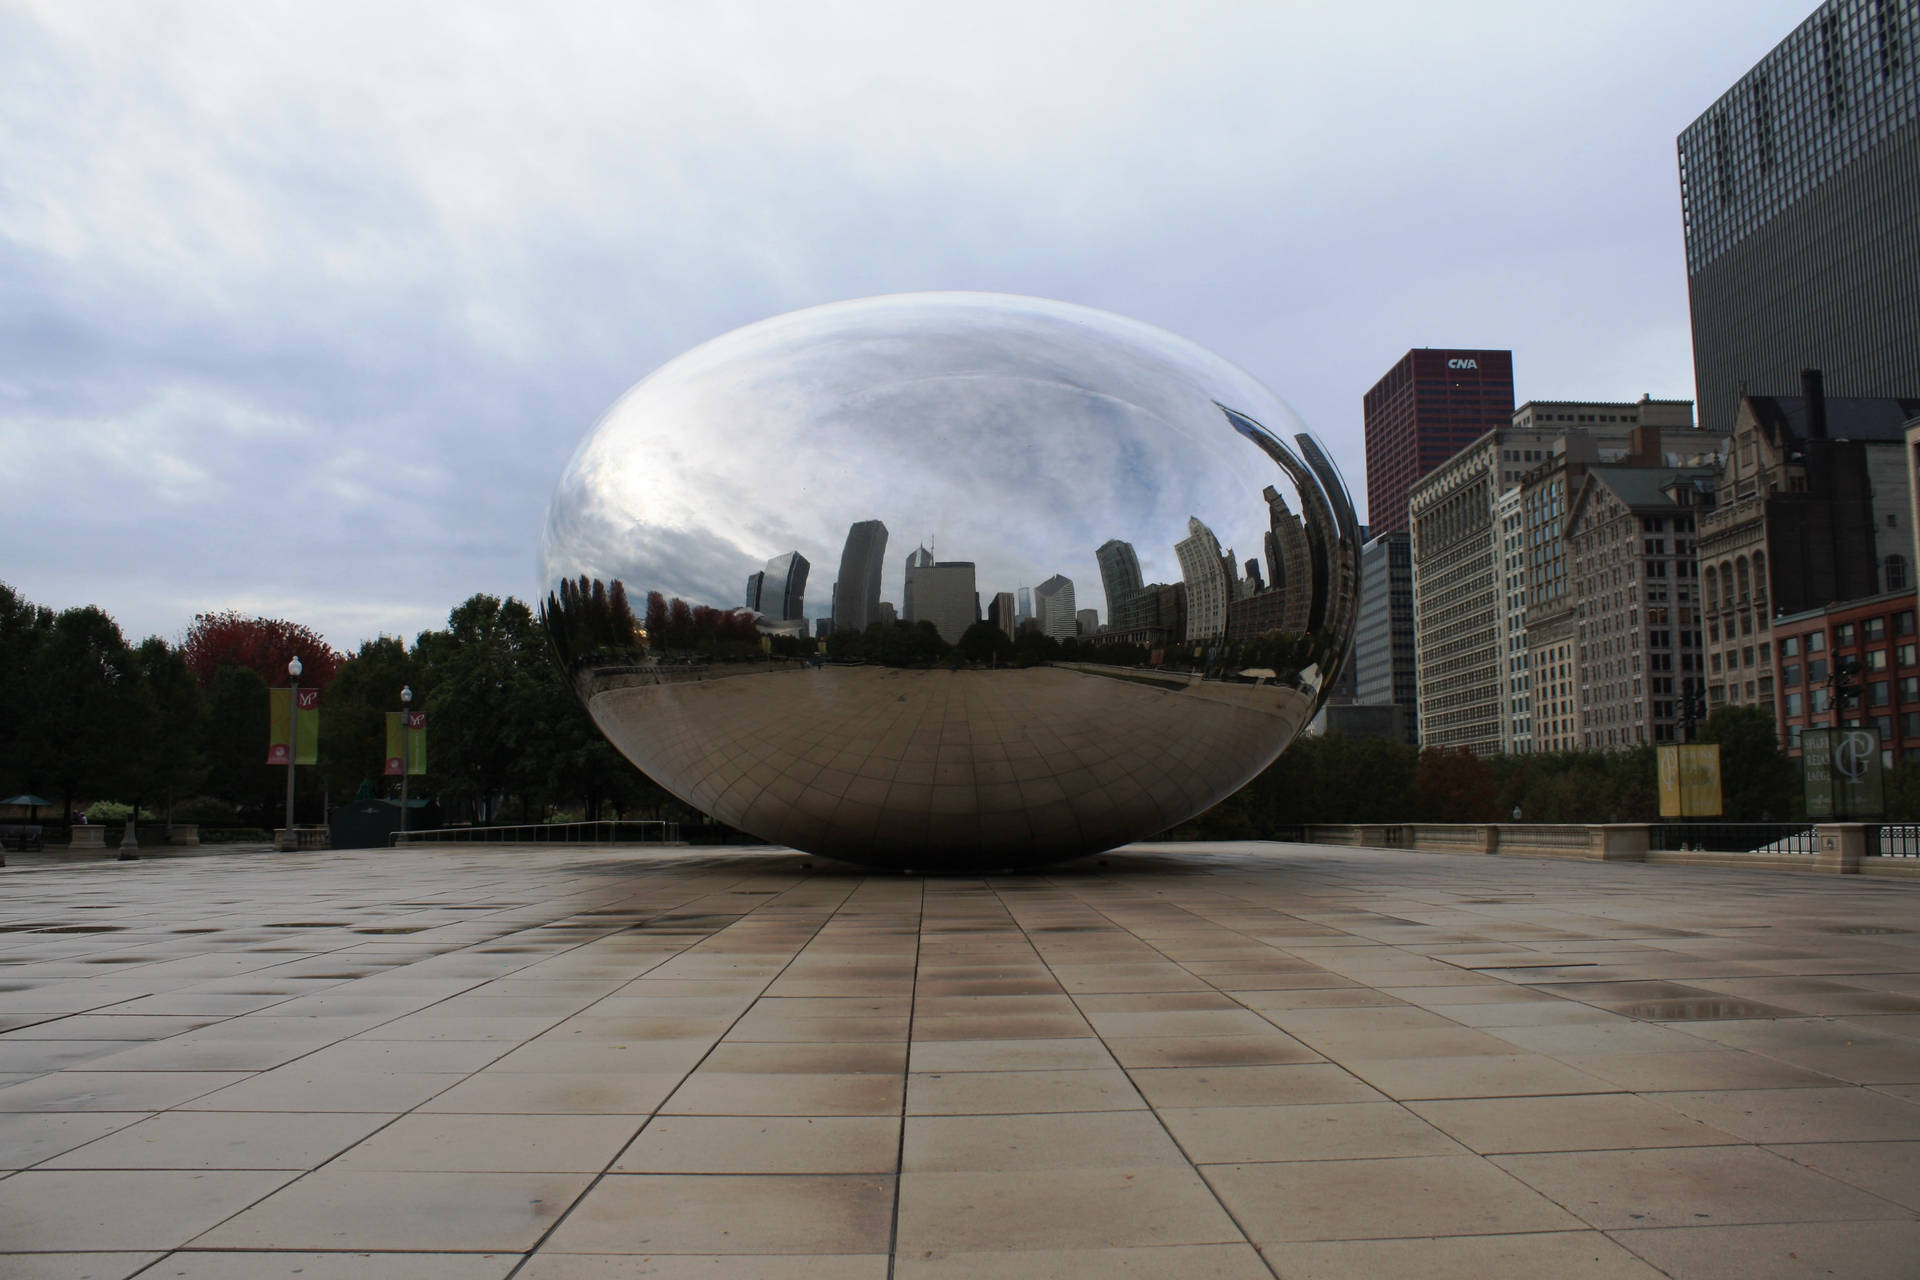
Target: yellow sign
x,y
1690,781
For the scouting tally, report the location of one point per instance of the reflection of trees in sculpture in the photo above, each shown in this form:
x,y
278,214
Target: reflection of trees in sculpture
x,y
588,620
592,624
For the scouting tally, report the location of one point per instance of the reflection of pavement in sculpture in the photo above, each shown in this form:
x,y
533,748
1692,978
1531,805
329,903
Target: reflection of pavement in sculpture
x,y
970,769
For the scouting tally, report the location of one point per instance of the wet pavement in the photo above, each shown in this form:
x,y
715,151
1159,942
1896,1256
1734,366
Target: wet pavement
x,y
1237,1060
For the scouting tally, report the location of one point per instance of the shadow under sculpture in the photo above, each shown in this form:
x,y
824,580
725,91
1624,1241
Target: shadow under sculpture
x,y
1126,593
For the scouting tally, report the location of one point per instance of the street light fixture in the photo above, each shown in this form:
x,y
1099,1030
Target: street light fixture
x,y
406,750
289,841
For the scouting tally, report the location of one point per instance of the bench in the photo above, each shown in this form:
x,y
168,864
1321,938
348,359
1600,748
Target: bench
x,y
21,837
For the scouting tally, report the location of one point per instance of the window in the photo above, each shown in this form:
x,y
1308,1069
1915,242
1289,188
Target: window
x,y
1790,647
1903,623
1875,628
1816,641
1910,724
1879,694
1789,674
1817,671
1843,635
1906,655
1795,704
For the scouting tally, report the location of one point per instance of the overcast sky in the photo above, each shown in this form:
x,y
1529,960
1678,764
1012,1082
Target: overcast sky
x,y
304,307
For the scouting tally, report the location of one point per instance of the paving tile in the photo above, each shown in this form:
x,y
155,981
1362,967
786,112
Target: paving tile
x,y
1011,1092
720,1214
75,1266
1562,1255
1802,1115
1477,1076
27,1138
493,1144
1057,1209
1382,1199
1340,1131
547,1265
1237,1086
1796,1251
224,1140
728,1093
554,1093
1010,1055
1576,1122
1690,1186
827,1058
361,1209
112,1090
764,1144
296,1087
1890,1170
109,1210
1142,1262
1128,1140
1489,994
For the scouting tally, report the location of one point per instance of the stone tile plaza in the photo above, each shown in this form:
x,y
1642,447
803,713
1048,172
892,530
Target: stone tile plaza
x,y
1240,1060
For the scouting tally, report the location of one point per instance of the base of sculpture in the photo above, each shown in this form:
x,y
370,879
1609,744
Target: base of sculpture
x,y
966,770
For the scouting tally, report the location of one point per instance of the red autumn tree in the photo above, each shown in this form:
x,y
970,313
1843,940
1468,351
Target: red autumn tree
x,y
262,645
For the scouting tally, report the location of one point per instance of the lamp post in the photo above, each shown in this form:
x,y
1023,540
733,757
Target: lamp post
x,y
291,842
406,751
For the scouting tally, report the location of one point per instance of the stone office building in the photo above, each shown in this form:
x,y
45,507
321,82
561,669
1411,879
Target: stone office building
x,y
1811,508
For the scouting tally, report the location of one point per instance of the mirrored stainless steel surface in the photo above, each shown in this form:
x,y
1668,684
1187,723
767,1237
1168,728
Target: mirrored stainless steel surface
x,y
1074,579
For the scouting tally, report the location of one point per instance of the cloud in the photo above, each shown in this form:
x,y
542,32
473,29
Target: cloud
x,y
312,303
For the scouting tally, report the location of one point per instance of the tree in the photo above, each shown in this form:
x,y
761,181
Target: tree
x,y
985,642
1454,785
261,645
1757,781
26,740
98,715
175,762
483,701
236,746
353,720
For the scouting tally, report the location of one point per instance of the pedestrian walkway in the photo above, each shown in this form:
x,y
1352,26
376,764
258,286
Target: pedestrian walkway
x,y
1193,1061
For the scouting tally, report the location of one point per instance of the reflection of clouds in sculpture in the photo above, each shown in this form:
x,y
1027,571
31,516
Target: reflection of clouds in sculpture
x,y
1015,434
1040,435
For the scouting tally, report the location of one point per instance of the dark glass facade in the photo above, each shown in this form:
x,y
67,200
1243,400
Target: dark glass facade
x,y
1431,405
1798,194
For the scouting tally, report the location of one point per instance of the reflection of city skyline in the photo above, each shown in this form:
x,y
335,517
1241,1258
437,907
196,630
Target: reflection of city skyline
x,y
1217,598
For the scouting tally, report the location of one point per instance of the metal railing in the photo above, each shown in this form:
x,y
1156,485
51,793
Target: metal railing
x,y
1893,840
1733,837
626,831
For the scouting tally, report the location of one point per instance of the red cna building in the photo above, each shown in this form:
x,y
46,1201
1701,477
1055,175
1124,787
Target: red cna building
x,y
1877,643
1432,404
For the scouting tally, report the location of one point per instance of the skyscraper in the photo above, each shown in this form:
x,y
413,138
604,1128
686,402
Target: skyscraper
x,y
1053,602
1000,612
1025,606
919,559
1209,579
783,588
1428,407
756,586
856,596
943,593
1119,576
1797,195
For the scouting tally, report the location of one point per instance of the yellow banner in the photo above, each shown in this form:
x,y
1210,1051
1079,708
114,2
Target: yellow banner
x,y
396,752
279,704
416,742
1690,780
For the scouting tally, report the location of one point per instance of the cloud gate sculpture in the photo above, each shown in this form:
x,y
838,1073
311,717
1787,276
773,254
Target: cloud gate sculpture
x,y
953,582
